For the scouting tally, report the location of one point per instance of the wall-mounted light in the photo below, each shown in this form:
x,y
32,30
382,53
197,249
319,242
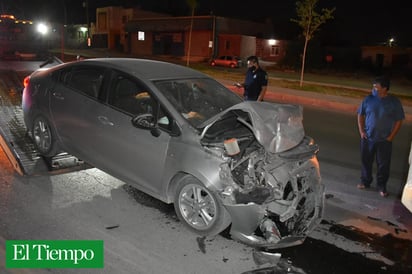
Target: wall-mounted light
x,y
272,42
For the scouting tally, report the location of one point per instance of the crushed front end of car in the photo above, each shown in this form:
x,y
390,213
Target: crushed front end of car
x,y
271,181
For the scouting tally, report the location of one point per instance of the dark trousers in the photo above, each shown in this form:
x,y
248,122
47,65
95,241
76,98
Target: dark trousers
x,y
382,152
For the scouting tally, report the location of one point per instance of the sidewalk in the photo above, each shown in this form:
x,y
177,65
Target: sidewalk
x,y
314,99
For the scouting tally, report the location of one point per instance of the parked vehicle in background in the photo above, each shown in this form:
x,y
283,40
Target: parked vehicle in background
x,y
183,138
227,61
20,56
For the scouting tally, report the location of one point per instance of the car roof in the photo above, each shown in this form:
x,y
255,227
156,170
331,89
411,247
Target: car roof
x,y
145,68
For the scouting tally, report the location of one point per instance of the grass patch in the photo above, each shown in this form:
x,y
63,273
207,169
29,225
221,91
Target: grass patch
x,y
349,85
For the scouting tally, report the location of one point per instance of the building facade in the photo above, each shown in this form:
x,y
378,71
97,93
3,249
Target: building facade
x,y
144,33
385,56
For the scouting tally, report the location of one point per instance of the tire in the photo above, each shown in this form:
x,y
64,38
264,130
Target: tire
x,y
199,208
44,137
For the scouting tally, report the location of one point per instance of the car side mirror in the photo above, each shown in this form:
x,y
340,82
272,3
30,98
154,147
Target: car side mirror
x,y
144,121
175,130
147,121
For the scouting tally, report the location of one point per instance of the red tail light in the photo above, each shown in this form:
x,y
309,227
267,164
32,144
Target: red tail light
x,y
26,81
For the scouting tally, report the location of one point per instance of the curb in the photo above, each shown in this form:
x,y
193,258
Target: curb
x,y
312,99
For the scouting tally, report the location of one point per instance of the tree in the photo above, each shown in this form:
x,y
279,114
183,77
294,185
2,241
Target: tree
x,y
310,21
192,4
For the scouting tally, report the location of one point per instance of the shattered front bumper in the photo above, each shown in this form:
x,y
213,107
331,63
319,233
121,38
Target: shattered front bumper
x,y
282,222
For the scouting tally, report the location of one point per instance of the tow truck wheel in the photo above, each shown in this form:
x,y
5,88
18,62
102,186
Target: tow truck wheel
x,y
43,137
199,208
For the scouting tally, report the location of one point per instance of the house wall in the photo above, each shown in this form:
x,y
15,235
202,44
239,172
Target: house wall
x,y
229,44
141,47
199,48
109,25
385,56
237,45
248,46
271,50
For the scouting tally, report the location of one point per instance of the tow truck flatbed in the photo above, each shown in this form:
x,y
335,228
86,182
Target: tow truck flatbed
x,y
14,137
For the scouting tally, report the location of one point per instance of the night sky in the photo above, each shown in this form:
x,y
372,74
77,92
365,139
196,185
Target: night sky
x,y
356,22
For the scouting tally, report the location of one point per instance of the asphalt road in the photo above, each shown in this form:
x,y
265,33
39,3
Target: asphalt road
x,y
338,138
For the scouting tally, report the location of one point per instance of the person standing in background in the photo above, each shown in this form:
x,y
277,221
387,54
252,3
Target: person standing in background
x,y
256,81
380,117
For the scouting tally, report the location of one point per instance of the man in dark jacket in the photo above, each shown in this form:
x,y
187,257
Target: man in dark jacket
x,y
256,81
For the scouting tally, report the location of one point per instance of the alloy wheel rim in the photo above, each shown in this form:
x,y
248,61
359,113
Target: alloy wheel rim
x,y
197,206
42,135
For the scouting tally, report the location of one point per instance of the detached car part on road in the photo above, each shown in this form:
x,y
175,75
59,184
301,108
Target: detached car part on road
x,y
183,138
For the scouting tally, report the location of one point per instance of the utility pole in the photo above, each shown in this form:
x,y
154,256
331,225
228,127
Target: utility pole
x,y
62,31
86,7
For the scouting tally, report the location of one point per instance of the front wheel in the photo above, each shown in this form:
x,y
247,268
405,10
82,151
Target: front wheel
x,y
199,208
43,137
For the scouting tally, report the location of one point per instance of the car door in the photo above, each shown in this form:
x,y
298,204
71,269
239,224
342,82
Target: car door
x,y
125,151
221,61
72,101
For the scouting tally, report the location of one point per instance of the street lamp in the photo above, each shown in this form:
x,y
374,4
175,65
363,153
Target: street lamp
x,y
42,28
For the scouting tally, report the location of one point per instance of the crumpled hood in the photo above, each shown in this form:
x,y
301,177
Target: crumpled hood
x,y
277,127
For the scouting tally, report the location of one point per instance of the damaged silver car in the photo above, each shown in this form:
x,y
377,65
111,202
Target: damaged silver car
x,y
183,138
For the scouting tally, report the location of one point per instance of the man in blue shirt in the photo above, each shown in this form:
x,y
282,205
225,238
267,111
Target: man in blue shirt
x,y
380,117
256,81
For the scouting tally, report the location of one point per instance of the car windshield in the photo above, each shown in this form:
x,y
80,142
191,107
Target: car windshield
x,y
197,99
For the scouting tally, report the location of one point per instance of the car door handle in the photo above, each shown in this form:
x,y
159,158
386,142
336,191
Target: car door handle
x,y
105,121
58,95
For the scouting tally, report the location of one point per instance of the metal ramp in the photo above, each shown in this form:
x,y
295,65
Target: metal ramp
x,y
14,139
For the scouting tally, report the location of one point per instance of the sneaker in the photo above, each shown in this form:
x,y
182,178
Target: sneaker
x,y
362,186
383,194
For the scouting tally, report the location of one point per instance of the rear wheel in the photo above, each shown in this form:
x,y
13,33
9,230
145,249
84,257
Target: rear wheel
x,y
199,208
44,137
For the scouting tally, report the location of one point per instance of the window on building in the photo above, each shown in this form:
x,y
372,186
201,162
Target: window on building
x,y
140,35
274,51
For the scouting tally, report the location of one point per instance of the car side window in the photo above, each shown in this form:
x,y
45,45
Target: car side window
x,y
131,97
164,120
85,80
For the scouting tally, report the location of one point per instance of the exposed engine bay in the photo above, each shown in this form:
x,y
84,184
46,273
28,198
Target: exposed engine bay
x,y
270,172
